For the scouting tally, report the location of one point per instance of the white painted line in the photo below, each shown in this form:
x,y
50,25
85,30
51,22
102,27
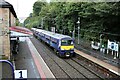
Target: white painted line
x,y
34,70
14,64
114,72
44,66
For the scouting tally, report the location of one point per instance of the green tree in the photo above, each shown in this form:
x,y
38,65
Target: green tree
x,y
37,7
95,18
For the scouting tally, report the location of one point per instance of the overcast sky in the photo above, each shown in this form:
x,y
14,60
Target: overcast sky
x,y
22,8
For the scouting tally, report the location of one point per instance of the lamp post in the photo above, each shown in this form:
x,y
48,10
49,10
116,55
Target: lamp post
x,y
101,40
101,46
78,22
42,23
73,35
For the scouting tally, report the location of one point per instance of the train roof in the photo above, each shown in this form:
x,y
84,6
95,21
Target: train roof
x,y
55,35
33,28
52,34
39,30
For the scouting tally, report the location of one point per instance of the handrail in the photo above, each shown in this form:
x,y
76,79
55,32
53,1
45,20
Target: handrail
x,y
6,61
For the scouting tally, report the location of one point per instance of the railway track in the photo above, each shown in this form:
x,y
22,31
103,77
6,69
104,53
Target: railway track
x,y
88,74
66,68
102,72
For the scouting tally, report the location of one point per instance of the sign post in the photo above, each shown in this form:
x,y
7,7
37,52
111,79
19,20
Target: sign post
x,y
114,47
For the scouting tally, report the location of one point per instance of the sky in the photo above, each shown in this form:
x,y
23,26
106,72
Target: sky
x,y
22,8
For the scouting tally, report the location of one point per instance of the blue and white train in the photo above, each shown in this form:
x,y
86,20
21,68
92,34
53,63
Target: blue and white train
x,y
62,44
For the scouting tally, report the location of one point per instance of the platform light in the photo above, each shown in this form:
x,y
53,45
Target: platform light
x,y
78,22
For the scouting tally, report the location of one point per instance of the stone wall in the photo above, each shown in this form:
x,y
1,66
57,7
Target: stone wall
x,y
4,29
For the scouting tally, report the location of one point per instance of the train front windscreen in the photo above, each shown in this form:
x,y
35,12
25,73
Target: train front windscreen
x,y
66,42
67,45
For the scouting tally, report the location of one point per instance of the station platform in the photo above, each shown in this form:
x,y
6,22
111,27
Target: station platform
x,y
29,59
42,67
100,62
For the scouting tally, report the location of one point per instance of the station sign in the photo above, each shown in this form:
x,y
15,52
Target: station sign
x,y
113,45
20,74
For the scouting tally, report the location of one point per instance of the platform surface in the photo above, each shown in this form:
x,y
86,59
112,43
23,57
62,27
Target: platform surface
x,y
110,67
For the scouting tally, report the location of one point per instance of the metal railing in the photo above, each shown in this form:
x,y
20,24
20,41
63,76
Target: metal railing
x,y
85,46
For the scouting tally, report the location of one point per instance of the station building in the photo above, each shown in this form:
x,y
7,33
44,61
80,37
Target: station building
x,y
8,18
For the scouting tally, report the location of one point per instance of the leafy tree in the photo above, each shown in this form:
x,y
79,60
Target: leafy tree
x,y
37,7
95,18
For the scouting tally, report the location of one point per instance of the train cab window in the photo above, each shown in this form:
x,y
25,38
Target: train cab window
x,y
66,42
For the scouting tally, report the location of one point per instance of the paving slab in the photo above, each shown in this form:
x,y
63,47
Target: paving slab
x,y
24,61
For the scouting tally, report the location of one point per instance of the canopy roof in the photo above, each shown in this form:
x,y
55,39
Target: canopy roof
x,y
17,31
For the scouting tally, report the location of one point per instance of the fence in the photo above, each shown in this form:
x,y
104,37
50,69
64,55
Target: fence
x,y
85,44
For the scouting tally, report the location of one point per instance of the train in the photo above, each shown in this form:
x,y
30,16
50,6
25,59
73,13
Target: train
x,y
63,45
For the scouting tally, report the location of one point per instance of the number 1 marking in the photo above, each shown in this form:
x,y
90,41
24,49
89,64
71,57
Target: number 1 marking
x,y
20,74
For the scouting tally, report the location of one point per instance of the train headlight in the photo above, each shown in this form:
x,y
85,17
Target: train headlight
x,y
62,49
72,49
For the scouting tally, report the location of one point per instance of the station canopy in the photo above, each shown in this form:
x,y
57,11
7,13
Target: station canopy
x,y
17,31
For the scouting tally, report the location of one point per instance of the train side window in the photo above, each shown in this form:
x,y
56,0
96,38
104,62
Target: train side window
x,y
47,39
54,42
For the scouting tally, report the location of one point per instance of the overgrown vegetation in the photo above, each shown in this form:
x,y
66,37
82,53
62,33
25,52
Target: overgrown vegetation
x,y
95,18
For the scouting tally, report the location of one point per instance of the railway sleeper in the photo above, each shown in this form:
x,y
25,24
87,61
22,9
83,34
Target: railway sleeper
x,y
102,70
104,73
